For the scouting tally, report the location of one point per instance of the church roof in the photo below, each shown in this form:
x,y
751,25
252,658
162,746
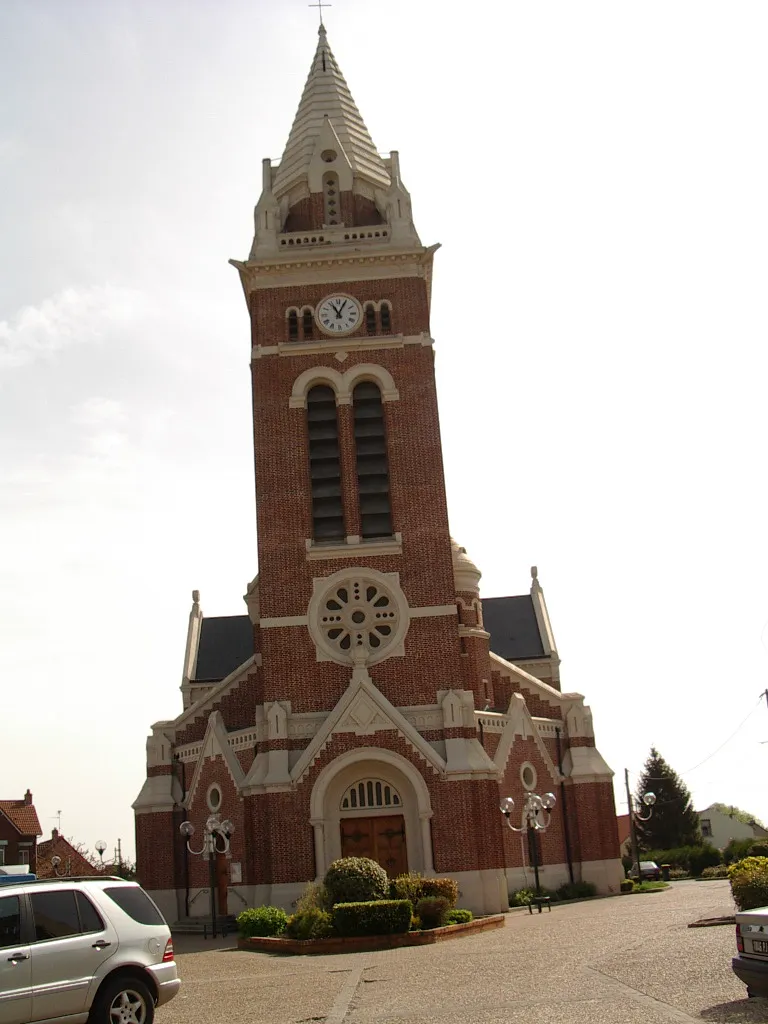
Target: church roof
x,y
514,630
326,94
225,644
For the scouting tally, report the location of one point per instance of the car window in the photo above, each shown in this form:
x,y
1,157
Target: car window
x,y
90,920
55,914
10,921
135,903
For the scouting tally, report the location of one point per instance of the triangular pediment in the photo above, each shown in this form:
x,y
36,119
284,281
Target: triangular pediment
x,y
364,710
520,724
215,744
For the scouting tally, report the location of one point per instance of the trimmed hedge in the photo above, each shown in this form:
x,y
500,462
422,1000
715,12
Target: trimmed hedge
x,y
691,858
749,882
261,921
432,911
356,880
718,871
576,891
414,888
627,885
377,917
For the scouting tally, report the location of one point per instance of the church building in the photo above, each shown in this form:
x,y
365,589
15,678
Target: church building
x,y
369,702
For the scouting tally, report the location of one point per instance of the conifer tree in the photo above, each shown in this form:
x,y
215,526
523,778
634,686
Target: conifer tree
x,y
673,822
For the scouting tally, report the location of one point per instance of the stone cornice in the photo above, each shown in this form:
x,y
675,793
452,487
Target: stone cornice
x,y
340,346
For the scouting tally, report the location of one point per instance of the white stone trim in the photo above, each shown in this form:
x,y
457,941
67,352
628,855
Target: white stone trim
x,y
547,692
215,744
197,709
342,346
342,383
526,766
158,793
586,764
214,786
283,620
354,547
433,611
520,723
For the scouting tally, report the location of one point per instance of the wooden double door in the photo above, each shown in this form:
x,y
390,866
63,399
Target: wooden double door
x,y
380,838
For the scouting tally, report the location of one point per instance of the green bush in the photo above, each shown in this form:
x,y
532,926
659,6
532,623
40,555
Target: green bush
x,y
717,871
459,916
692,859
356,880
627,885
749,882
737,850
311,923
433,911
261,921
521,898
677,873
414,887
378,917
576,891
314,897
759,849
704,856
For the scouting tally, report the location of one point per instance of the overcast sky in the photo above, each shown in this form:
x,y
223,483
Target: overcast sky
x,y
596,173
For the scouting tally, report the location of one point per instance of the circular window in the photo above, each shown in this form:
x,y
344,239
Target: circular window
x,y
213,798
528,776
328,155
358,609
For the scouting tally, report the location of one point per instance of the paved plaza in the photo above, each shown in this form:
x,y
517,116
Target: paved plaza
x,y
625,960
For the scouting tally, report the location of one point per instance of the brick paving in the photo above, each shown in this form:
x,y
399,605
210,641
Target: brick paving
x,y
625,960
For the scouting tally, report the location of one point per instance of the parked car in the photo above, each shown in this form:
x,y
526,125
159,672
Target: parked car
x,y
649,871
79,950
751,965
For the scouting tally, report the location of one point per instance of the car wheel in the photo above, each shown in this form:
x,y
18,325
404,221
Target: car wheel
x,y
123,1001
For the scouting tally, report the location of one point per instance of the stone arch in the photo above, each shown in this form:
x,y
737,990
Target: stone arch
x,y
371,371
363,762
317,375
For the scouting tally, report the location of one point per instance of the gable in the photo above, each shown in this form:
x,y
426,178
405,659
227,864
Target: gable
x,y
22,816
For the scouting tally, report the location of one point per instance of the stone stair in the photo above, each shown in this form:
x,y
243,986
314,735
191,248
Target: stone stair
x,y
202,926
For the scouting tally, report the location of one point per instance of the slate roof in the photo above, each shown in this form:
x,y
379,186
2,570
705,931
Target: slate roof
x,y
225,643
23,816
511,621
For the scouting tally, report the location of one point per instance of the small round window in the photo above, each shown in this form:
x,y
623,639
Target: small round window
x,y
528,776
214,798
328,155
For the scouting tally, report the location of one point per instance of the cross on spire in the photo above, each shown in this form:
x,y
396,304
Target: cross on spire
x,y
320,5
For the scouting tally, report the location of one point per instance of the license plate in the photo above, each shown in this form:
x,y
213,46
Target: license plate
x,y
759,946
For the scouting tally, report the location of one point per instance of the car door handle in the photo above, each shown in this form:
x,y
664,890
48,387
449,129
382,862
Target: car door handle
x,y
18,956
101,944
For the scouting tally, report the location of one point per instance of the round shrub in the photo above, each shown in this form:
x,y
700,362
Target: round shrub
x,y
433,911
261,921
311,923
749,882
759,849
627,885
716,871
356,880
459,916
521,898
414,887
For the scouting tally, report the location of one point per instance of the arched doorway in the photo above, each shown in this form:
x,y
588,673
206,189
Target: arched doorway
x,y
390,822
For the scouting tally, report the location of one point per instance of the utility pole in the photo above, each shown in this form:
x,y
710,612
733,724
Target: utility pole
x,y
632,830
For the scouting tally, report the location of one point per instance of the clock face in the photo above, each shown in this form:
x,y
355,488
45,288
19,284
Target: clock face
x,y
338,314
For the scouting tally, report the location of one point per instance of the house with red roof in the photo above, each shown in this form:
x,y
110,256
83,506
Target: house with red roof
x,y
19,829
71,861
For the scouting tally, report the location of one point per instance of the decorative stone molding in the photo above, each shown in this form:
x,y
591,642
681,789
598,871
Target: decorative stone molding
x,y
251,598
342,383
354,547
358,608
215,744
520,723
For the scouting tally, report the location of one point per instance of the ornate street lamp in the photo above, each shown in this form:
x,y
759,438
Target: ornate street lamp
x,y
215,840
536,818
649,799
100,848
55,864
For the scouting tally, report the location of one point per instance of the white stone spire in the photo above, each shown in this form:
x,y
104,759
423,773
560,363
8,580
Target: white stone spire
x,y
327,95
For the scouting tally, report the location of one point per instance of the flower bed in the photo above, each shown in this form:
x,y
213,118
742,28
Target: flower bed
x,y
368,943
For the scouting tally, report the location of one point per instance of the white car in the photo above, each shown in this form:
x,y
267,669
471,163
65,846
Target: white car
x,y
751,965
82,951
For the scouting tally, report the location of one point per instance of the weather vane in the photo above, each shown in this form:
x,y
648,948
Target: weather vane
x,y
320,5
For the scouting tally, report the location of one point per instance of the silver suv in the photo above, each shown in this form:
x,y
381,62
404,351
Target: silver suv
x,y
82,951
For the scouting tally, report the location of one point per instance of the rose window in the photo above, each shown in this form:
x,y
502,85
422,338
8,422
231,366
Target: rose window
x,y
359,613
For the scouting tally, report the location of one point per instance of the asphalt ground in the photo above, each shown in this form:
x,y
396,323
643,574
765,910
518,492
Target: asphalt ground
x,y
623,960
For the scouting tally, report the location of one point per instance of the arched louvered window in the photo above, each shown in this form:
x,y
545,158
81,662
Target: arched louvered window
x,y
370,318
324,464
307,324
386,318
372,465
293,326
370,793
331,198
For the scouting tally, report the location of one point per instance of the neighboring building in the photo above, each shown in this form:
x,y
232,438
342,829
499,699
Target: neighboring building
x,y
72,862
369,703
625,835
720,828
19,829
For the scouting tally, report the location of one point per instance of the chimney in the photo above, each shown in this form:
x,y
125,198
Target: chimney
x,y
27,798
54,833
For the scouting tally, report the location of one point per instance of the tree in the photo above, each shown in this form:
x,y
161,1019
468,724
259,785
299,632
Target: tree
x,y
738,814
673,822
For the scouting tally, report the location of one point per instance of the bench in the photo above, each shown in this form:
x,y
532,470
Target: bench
x,y
539,902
